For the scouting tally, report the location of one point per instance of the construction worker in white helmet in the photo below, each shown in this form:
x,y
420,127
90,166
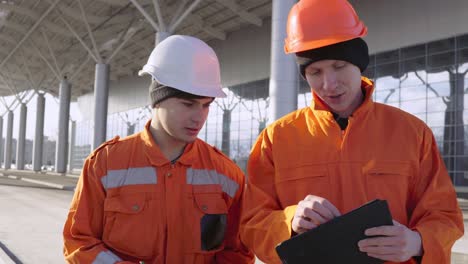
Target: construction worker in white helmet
x,y
162,195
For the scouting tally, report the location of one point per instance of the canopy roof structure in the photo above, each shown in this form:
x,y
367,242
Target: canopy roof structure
x,y
42,41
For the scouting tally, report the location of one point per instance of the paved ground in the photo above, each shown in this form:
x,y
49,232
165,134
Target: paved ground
x,y
33,208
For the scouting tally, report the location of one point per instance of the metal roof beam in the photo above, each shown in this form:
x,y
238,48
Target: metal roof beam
x,y
29,32
145,15
234,7
157,10
90,33
174,26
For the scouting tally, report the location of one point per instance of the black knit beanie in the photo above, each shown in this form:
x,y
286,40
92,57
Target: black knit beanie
x,y
159,93
354,51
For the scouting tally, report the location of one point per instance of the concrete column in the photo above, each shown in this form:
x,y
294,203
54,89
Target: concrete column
x,y
284,82
21,137
160,36
71,153
64,116
1,140
101,94
39,134
8,140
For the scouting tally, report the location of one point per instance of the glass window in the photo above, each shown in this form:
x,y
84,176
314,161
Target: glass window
x,y
438,89
413,92
465,115
304,100
462,58
438,132
413,79
413,51
441,45
371,60
462,41
435,104
436,119
386,57
387,96
438,76
412,65
438,61
390,69
387,83
414,106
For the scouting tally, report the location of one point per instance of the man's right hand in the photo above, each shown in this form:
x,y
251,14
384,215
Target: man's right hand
x,y
311,212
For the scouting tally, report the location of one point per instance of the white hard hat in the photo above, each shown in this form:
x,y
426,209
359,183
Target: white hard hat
x,y
186,64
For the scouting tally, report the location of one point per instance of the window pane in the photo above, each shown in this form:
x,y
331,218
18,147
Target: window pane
x,y
413,79
414,106
440,45
440,89
436,119
386,96
413,92
436,62
441,76
386,57
391,69
371,60
418,64
387,83
462,41
413,51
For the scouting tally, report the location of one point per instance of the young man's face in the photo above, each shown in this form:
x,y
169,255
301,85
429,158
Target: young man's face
x,y
337,83
182,119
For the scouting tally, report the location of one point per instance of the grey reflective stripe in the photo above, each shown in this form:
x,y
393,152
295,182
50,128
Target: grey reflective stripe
x,y
199,177
130,176
106,257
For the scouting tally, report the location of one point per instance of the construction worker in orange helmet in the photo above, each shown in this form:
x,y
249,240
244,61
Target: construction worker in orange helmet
x,y
344,150
162,195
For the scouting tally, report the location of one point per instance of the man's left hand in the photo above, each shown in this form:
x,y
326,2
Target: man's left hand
x,y
395,243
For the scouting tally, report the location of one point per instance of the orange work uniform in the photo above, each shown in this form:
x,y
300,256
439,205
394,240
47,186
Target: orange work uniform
x,y
132,205
383,153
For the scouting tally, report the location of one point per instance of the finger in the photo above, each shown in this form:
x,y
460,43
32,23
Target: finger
x,y
381,250
322,206
305,225
385,231
314,216
379,242
319,208
331,208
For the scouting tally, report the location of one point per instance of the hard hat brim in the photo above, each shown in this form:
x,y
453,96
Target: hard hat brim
x,y
200,89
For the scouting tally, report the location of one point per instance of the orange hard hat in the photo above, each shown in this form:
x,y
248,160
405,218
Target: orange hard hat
x,y
317,23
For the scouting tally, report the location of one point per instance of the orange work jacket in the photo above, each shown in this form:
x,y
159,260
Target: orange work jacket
x,y
384,153
132,205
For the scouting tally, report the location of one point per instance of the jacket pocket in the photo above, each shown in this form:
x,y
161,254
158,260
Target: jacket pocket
x,y
209,218
130,226
390,180
295,183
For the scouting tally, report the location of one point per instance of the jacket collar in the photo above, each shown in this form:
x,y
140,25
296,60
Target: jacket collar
x,y
156,157
367,86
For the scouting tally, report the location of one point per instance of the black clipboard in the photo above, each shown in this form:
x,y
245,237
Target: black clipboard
x,y
336,240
